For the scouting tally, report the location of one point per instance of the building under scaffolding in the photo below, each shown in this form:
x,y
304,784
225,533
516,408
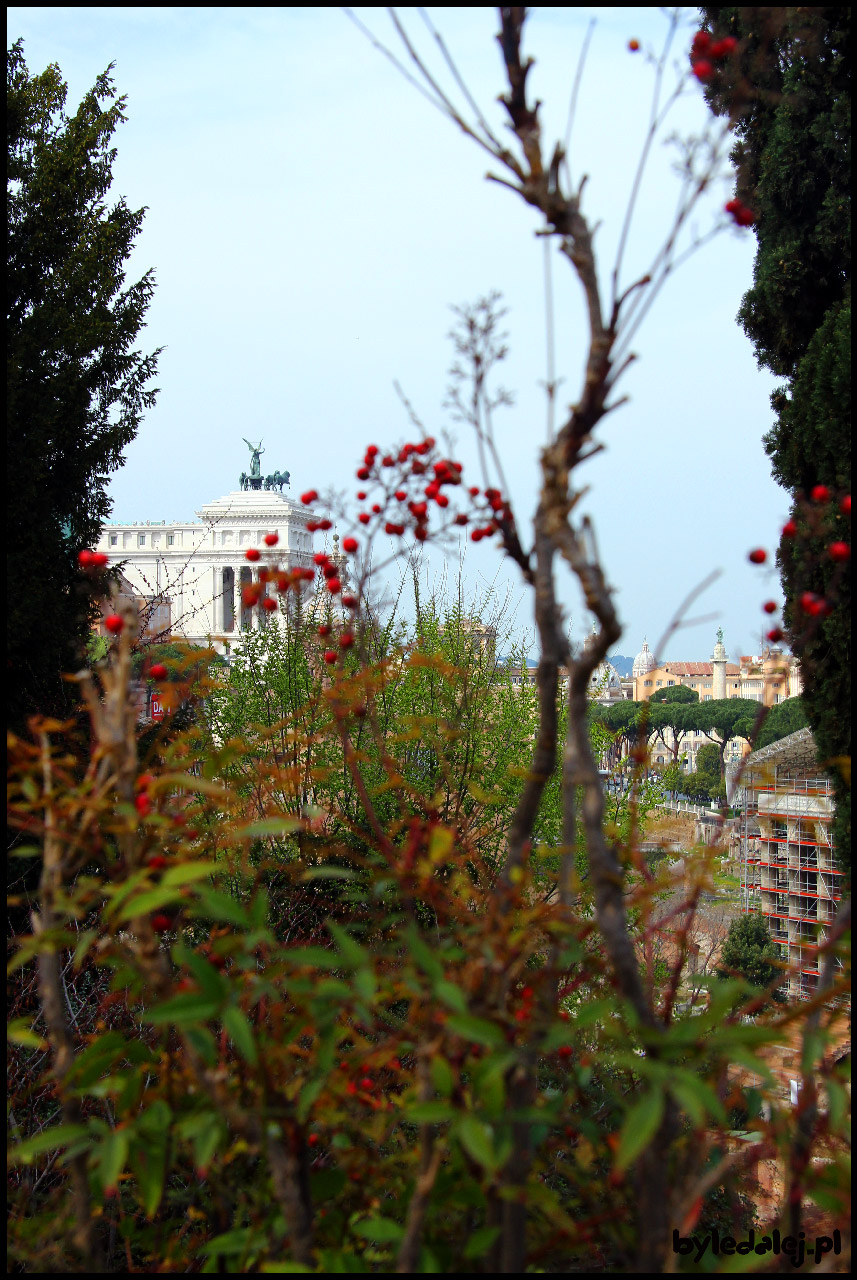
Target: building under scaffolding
x,y
788,867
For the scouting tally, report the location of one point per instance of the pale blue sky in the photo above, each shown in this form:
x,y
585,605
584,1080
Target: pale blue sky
x,y
311,220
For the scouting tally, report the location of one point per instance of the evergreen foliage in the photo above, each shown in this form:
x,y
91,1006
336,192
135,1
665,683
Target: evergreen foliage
x,y
750,951
76,388
792,160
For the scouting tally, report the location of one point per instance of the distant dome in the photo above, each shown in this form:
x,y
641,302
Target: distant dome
x,y
644,662
605,673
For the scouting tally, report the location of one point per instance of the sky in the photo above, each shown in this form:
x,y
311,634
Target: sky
x,y
311,221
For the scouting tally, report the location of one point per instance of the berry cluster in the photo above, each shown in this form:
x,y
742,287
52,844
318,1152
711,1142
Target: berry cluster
x,y
810,604
706,53
741,215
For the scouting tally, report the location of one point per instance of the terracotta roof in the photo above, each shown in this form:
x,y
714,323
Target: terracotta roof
x,y
695,668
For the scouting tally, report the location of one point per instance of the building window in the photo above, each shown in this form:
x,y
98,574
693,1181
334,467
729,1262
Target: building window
x,y
647,683
171,538
659,682
670,682
707,697
141,539
114,539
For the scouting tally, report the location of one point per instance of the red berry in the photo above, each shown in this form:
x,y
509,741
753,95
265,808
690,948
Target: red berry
x,y
158,671
99,559
142,804
320,557
325,524
808,600
703,70
364,517
84,558
144,781
350,602
309,496
333,585
376,510
732,206
418,509
728,45
371,450
775,635
461,518
114,623
330,656
432,489
564,1051
633,45
361,495
324,629
366,1083
251,554
759,556
789,529
477,535
845,505
839,551
770,606
349,544
312,1140
744,217
161,922
363,473
701,42
388,461
820,493
346,640
158,862
312,525
269,604
421,533
271,539
400,495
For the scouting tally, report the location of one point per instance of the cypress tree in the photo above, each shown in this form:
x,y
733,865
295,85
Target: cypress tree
x,y
790,101
76,388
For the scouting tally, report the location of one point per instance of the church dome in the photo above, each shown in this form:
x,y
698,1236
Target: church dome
x,y
644,662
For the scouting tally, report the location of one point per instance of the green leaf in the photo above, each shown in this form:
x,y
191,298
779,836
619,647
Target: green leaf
x,y
351,951
307,1096
317,957
380,1230
442,1077
186,872
96,1059
329,873
214,985
19,1031
182,1010
144,903
267,827
48,1140
450,995
205,1132
480,1242
477,1139
238,1026
281,1268
696,1096
215,905
641,1124
112,1156
430,1113
231,1244
476,1029
84,942
421,954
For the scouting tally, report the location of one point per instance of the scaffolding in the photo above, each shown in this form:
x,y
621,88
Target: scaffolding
x,y
788,869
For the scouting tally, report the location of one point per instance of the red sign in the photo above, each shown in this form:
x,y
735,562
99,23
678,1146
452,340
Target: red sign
x,y
157,708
